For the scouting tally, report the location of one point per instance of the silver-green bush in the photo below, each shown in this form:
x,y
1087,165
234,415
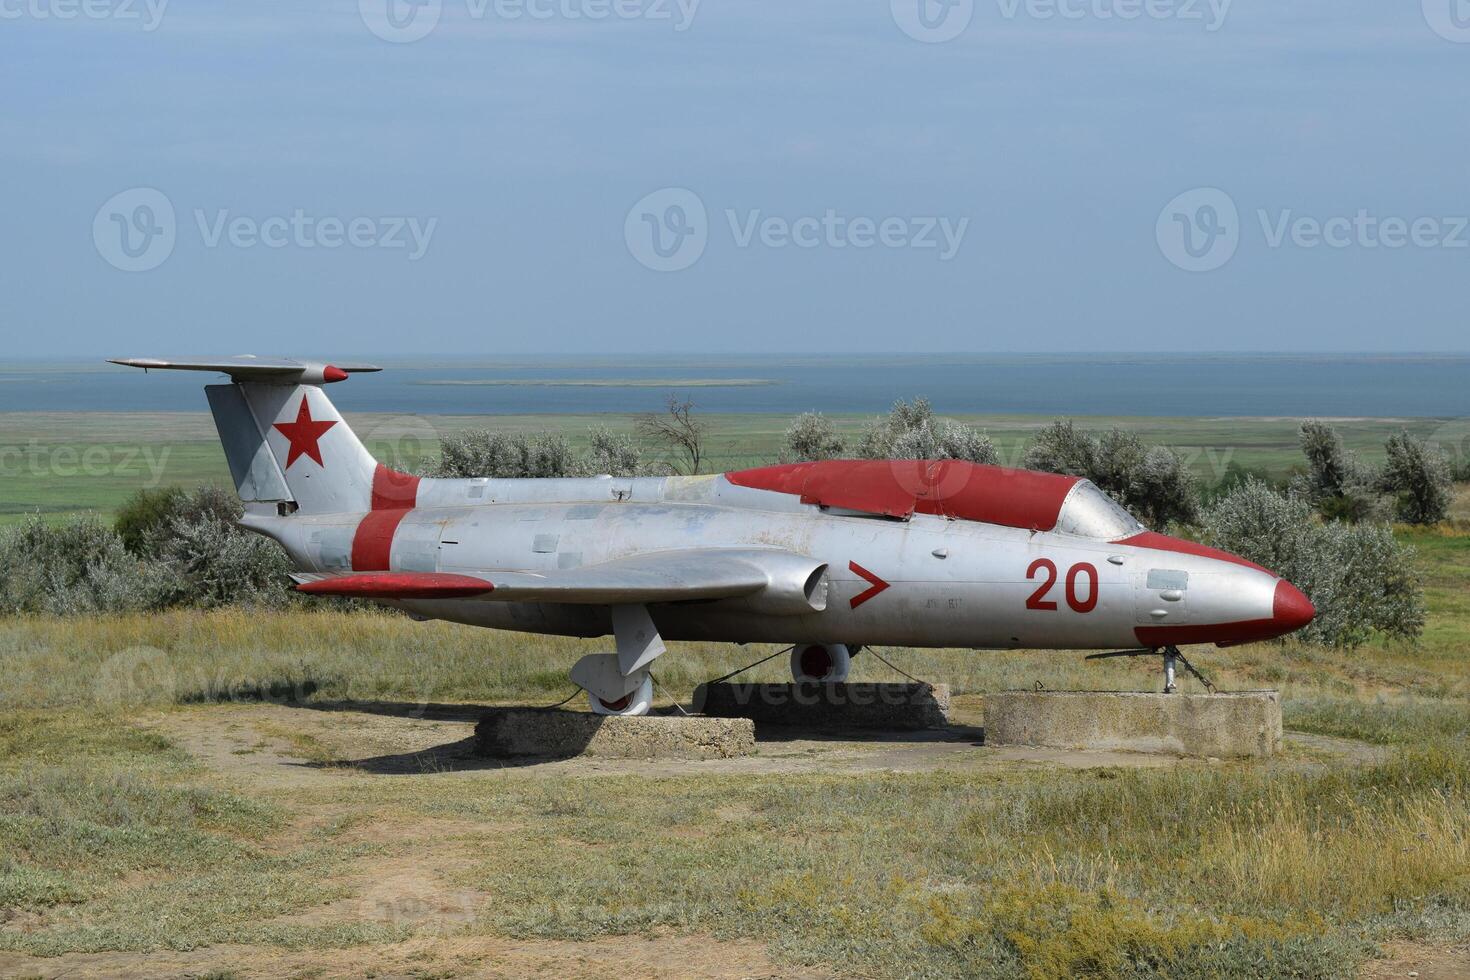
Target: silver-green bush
x,y
1153,482
912,431
1360,579
1418,478
812,437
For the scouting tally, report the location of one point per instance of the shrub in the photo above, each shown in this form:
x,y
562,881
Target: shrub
x,y
145,522
1418,478
80,566
1152,482
144,514
1360,579
612,454
483,453
214,563
1236,476
1337,483
911,431
812,437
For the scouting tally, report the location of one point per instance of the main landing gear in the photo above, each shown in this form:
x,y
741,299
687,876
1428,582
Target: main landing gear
x,y
823,663
621,683
1172,659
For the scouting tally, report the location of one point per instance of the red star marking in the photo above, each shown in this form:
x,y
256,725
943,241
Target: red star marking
x,y
878,584
304,434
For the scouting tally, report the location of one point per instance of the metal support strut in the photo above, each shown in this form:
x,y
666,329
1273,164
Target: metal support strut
x,y
1172,659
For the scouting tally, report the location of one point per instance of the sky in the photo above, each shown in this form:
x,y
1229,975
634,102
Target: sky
x,y
360,177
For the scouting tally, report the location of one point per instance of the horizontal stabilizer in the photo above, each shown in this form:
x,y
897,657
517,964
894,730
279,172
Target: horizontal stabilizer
x,y
260,370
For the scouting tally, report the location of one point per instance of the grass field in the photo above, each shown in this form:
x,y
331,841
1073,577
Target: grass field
x,y
295,786
233,794
71,463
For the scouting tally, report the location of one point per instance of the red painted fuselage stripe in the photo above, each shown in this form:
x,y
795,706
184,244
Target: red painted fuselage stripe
x,y
394,495
394,491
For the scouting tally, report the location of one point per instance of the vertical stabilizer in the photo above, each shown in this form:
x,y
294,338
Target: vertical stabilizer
x,y
289,444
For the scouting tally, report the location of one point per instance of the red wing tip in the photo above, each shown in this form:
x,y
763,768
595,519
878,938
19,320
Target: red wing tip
x,y
1291,609
331,374
401,585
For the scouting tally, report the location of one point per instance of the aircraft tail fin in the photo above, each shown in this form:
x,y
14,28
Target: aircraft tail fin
x,y
286,443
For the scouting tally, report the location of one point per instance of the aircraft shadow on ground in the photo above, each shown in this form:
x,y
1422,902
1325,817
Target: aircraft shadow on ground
x,y
465,754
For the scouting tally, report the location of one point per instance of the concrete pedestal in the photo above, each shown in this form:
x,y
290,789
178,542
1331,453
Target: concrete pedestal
x,y
871,707
1244,725
525,732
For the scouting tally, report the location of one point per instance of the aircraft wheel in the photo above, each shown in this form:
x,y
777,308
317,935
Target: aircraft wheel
x,y
632,705
828,663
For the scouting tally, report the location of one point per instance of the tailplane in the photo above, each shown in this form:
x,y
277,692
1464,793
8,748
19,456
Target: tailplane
x,y
287,445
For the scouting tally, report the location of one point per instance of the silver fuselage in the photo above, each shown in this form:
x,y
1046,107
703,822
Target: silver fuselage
x,y
948,583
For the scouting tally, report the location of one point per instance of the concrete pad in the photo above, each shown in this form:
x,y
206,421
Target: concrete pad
x,y
870,707
525,732
1243,725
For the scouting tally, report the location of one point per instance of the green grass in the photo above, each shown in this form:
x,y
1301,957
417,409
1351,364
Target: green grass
x,y
113,837
67,463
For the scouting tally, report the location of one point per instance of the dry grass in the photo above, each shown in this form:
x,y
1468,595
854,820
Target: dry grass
x,y
113,838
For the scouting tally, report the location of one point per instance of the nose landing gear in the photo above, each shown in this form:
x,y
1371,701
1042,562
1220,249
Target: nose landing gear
x,y
1172,659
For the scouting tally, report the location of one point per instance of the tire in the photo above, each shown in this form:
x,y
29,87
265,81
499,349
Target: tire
x,y
825,663
634,705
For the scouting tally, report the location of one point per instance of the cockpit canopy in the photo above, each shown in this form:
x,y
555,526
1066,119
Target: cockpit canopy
x,y
1089,513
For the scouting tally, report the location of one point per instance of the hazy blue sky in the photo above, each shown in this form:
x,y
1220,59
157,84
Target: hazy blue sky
x,y
1046,143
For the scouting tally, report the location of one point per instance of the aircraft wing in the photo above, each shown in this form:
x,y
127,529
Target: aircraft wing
x,y
655,577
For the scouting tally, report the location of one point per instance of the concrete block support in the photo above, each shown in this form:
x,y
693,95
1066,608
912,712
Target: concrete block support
x,y
1242,725
523,732
817,707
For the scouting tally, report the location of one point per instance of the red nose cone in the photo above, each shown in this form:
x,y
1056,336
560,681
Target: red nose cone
x,y
333,374
1291,610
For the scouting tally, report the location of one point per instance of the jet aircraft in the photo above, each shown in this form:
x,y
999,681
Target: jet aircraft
x,y
827,556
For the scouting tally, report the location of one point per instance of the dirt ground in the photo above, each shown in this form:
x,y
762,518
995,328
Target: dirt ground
x,y
275,748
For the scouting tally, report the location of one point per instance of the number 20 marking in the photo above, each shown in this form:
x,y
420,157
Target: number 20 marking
x,y
1039,598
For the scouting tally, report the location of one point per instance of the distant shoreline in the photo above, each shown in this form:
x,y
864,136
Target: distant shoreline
x,y
606,383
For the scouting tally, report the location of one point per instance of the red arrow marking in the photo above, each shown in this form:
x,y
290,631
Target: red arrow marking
x,y
878,584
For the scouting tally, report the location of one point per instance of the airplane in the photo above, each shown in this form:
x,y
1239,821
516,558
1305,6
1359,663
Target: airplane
x,y
829,557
